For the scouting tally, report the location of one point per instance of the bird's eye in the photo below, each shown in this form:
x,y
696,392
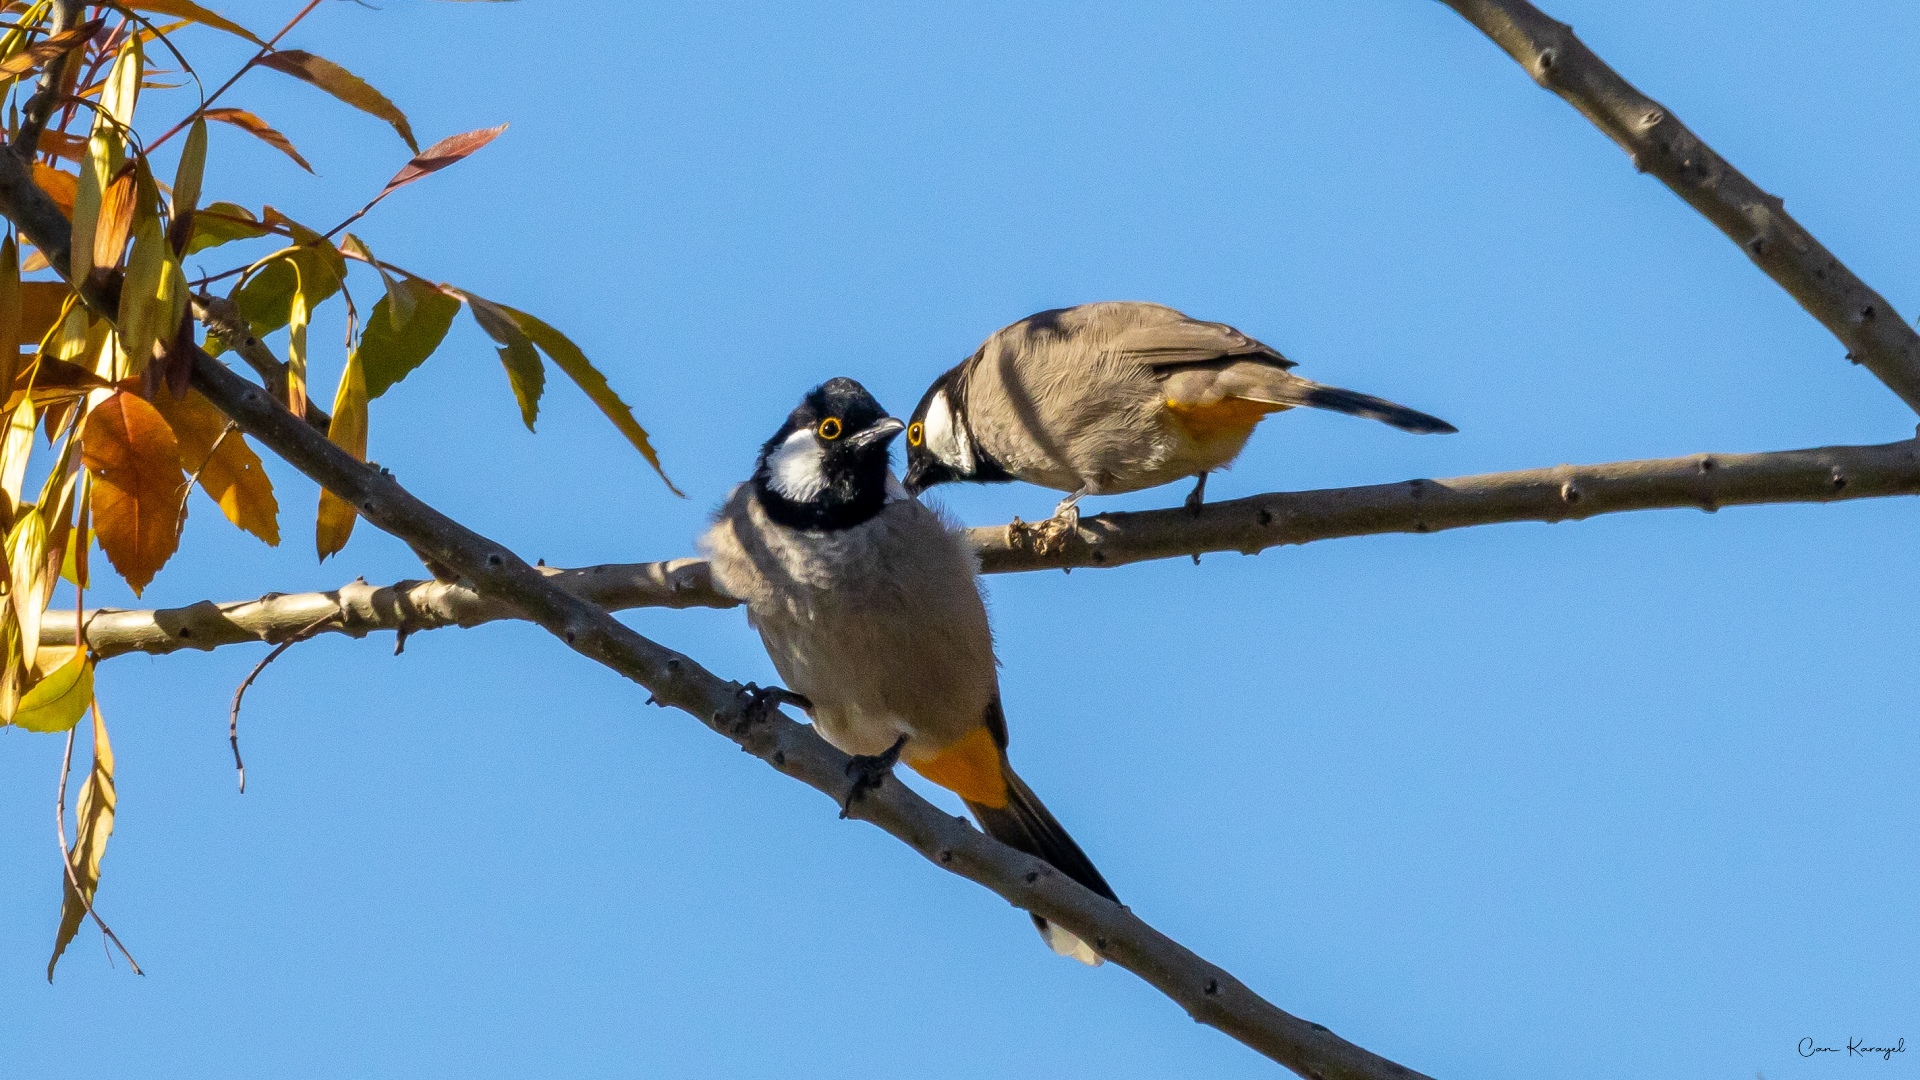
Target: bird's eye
x,y
830,428
916,433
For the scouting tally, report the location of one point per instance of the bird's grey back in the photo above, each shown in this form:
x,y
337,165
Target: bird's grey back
x,y
1061,397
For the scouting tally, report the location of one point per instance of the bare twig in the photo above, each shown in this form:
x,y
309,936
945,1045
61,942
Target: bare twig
x,y
1567,492
233,714
66,860
235,77
1873,332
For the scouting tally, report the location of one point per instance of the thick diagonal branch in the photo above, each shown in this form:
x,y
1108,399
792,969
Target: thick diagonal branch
x,y
1874,333
1568,492
1208,993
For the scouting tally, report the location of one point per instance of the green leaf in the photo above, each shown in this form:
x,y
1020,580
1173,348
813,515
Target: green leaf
x,y
186,181
58,701
154,294
516,353
568,357
388,354
221,223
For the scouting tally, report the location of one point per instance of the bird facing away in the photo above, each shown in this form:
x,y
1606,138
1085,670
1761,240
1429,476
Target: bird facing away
x,y
868,604
1113,397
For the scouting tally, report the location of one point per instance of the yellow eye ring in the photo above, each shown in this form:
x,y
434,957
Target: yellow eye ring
x,y
830,428
915,433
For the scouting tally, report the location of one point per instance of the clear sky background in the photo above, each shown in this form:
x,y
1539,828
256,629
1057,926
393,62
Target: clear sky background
x,y
1634,795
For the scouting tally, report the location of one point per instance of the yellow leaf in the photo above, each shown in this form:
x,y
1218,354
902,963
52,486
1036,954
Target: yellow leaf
x,y
11,671
135,462
28,589
58,700
154,295
117,207
186,186
297,316
342,84
186,9
230,471
15,447
93,817
122,92
349,433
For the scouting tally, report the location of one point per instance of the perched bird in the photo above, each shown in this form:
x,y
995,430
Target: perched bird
x,y
868,603
1114,397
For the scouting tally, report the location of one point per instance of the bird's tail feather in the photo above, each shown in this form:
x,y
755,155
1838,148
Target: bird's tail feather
x,y
1280,388
1025,824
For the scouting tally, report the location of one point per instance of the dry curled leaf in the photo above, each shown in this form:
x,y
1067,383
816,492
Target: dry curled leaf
x,y
61,186
93,815
135,464
35,55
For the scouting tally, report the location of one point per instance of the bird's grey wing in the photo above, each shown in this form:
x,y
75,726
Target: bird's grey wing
x,y
1168,346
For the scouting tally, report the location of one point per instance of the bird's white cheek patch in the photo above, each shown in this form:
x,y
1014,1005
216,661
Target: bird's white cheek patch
x,y
798,469
945,438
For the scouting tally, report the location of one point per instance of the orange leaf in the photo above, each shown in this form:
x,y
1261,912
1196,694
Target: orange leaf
x,y
41,305
230,471
61,144
439,156
61,186
34,55
116,221
135,462
259,129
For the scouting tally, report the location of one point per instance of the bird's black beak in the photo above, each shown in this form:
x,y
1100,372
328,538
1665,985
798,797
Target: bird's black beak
x,y
882,432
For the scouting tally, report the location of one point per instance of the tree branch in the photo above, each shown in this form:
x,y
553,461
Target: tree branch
x,y
33,118
1208,993
1873,332
1567,492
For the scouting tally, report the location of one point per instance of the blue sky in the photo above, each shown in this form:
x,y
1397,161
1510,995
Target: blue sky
x,y
1632,794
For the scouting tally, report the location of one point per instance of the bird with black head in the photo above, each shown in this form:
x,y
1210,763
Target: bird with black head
x,y
869,606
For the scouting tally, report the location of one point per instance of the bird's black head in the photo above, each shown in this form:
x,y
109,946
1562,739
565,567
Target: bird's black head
x,y
940,446
826,468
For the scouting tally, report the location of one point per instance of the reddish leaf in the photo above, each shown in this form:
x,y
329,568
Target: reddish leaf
x,y
135,463
439,156
259,129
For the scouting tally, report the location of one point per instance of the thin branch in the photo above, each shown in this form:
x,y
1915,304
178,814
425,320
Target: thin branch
x,y
1873,332
1566,493
220,315
233,714
235,77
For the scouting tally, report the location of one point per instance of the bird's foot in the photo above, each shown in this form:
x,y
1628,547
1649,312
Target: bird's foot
x,y
1198,496
758,701
868,772
1054,533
